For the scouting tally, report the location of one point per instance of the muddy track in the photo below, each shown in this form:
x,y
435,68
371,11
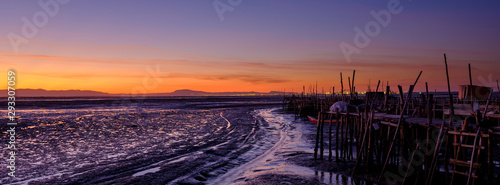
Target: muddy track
x,y
231,175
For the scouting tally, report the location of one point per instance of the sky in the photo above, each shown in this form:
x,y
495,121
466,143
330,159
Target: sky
x,y
125,46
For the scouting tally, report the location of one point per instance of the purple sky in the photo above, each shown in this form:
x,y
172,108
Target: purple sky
x,y
260,45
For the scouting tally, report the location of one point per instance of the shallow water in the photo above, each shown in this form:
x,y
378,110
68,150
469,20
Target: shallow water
x,y
291,139
71,138
210,140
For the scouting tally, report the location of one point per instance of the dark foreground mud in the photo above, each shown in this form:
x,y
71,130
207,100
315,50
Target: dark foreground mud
x,y
172,141
136,142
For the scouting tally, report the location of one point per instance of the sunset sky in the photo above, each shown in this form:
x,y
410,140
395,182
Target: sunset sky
x,y
260,45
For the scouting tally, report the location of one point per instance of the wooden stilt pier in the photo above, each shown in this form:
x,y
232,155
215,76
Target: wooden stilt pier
x,y
420,135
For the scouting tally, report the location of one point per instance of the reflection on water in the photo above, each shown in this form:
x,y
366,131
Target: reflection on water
x,y
291,138
339,179
68,136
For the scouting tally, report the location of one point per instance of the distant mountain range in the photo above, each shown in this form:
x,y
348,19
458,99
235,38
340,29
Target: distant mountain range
x,y
85,93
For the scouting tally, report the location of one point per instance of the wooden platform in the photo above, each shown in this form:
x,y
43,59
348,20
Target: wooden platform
x,y
436,122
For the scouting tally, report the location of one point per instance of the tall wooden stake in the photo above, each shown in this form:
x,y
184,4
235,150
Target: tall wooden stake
x,y
330,138
350,86
341,86
414,84
473,154
337,122
429,122
438,142
353,88
397,128
316,145
367,127
452,111
470,90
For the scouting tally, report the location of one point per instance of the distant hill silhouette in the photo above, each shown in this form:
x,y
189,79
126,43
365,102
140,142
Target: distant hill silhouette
x,y
86,93
188,92
54,93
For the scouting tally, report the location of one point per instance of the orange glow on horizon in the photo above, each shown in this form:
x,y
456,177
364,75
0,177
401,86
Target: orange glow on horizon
x,y
160,76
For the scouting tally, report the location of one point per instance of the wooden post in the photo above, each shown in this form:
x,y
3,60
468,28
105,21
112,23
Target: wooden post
x,y
445,163
337,136
351,136
330,138
429,123
387,91
435,154
367,128
359,132
487,103
452,111
438,143
490,158
409,164
333,92
358,156
322,147
353,89
342,88
303,91
316,145
401,99
345,127
342,137
350,87
372,112
400,120
317,91
478,134
470,90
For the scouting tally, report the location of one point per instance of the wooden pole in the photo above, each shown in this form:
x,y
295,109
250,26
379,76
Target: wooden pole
x,y
434,157
350,86
342,137
452,111
369,156
409,164
333,92
414,84
322,147
387,91
400,120
438,143
487,103
330,138
341,87
367,127
353,75
472,156
337,135
470,90
401,99
498,99
303,90
429,122
316,145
